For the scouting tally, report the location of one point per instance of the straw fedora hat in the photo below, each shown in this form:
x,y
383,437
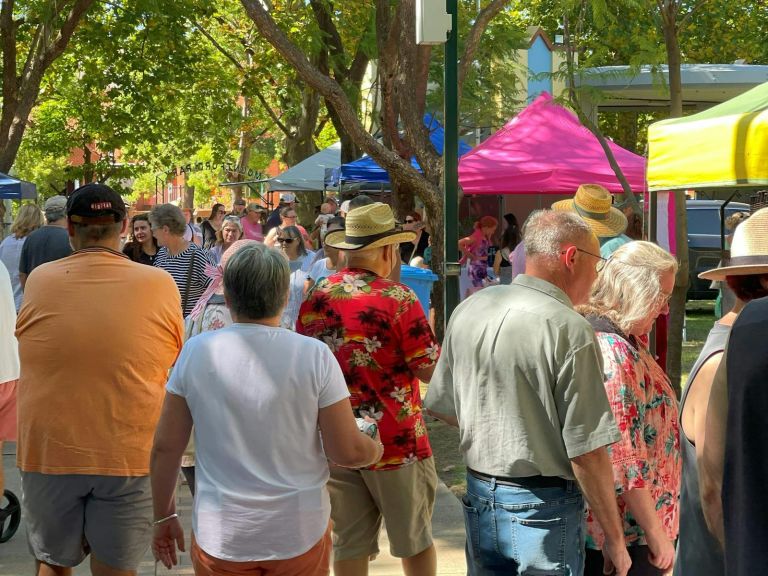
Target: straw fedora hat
x,y
749,250
593,204
369,227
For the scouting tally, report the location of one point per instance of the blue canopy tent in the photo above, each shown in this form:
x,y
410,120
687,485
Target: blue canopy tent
x,y
367,170
14,189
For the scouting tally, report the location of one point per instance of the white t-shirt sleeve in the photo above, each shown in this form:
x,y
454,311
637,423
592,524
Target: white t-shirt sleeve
x,y
333,388
176,382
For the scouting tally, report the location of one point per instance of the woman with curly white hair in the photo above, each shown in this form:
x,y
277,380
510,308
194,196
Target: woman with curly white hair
x,y
633,288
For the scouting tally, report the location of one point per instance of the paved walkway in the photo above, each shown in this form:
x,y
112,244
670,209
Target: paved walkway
x,y
448,527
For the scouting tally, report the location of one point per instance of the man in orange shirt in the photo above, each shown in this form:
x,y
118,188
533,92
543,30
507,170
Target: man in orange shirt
x,y
97,334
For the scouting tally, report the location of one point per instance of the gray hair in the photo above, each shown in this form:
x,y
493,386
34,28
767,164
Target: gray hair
x,y
256,281
546,231
629,285
168,215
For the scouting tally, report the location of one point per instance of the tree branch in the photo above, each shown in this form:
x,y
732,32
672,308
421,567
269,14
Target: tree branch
x,y
79,9
475,35
332,92
687,18
271,113
8,46
226,53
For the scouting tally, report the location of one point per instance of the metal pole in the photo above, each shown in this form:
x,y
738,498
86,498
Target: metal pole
x,y
451,167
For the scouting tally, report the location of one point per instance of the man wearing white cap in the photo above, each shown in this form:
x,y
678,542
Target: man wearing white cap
x,y
49,243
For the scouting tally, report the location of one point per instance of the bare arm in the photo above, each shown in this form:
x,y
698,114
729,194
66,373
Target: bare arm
x,y
643,509
343,442
594,473
271,237
425,374
171,438
497,263
450,420
22,280
711,456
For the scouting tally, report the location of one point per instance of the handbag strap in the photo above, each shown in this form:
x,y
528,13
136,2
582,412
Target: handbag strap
x,y
185,298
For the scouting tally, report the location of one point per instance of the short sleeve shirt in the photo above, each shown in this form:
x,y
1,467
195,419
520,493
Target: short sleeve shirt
x,y
179,268
97,334
45,244
377,330
648,454
255,393
521,370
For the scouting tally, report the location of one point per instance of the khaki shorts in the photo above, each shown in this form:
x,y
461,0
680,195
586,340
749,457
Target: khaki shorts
x,y
69,516
404,498
314,562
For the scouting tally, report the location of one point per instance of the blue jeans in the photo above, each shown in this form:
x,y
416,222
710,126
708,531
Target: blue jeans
x,y
514,530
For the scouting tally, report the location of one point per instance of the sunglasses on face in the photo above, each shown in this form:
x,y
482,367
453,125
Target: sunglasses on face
x,y
290,216
409,220
285,240
232,219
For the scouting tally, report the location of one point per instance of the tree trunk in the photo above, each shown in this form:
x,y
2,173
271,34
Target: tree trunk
x,y
677,303
244,147
593,126
188,198
20,91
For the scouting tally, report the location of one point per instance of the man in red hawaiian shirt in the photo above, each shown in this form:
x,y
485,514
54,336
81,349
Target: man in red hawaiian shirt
x,y
378,333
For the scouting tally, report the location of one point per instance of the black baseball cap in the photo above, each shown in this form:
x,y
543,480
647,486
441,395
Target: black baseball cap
x,y
95,204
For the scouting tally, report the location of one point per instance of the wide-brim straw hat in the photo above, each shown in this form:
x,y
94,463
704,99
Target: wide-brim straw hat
x,y
749,250
369,227
593,204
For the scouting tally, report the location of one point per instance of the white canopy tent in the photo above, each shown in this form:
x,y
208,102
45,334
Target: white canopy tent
x,y
309,174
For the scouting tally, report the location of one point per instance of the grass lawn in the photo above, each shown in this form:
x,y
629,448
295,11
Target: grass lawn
x,y
445,439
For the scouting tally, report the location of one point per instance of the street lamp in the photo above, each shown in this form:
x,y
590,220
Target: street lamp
x,y
435,25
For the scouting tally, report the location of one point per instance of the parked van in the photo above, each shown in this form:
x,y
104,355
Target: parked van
x,y
704,242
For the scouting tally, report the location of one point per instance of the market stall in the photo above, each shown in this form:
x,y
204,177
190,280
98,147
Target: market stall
x,y
545,150
724,146
14,189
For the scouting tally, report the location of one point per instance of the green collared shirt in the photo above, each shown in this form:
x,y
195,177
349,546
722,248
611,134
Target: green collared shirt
x,y
522,372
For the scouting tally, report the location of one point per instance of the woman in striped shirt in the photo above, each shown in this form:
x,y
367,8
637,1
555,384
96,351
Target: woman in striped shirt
x,y
183,260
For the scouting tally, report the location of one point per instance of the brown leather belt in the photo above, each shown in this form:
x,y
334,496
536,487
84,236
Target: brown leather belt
x,y
528,482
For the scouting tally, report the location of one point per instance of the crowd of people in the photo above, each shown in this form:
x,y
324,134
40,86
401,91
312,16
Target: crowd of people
x,y
280,372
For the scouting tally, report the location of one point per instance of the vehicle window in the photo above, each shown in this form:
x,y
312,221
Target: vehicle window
x,y
703,222
707,221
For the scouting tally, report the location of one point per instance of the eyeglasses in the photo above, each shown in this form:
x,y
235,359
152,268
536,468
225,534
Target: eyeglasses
x,y
285,240
601,261
409,220
288,216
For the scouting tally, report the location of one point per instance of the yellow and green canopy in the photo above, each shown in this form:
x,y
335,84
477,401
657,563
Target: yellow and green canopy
x,y
726,145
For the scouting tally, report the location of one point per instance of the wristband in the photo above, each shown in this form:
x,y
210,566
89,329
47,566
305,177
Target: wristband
x,y
171,517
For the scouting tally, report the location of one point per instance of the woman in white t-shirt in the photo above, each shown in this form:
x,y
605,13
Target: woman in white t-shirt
x,y
299,258
256,394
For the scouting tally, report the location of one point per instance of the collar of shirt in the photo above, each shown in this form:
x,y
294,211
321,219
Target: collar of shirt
x,y
543,286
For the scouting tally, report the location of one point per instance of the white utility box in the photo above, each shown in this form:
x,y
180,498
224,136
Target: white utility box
x,y
432,22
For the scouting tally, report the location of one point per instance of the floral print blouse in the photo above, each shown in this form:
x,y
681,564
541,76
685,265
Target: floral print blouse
x,y
648,454
377,331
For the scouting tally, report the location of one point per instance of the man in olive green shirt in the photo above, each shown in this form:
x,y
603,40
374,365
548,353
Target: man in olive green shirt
x,y
521,376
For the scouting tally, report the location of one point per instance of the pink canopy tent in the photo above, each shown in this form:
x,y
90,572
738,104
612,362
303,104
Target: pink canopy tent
x,y
545,150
